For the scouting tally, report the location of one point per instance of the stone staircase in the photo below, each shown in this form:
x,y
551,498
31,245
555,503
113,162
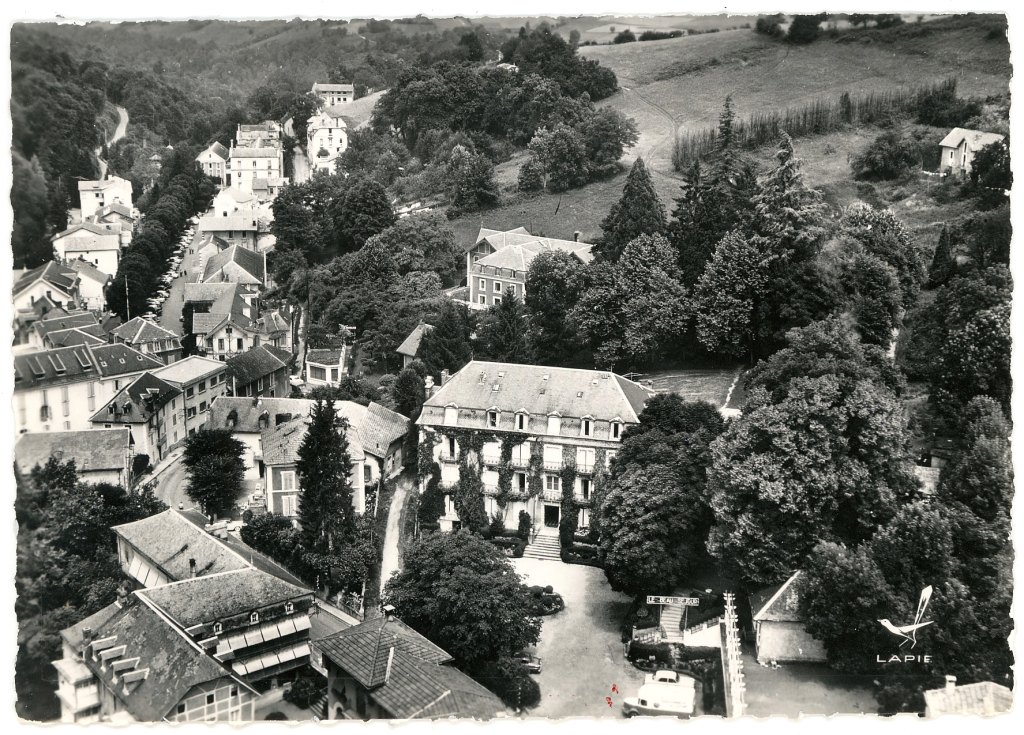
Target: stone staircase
x,y
671,615
544,547
319,707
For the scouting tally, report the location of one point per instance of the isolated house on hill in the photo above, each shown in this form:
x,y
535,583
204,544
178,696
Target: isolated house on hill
x,y
411,345
959,148
334,94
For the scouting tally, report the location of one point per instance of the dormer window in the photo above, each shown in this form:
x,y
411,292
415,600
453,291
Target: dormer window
x,y
451,415
254,618
616,430
554,424
492,419
289,608
587,428
218,628
520,422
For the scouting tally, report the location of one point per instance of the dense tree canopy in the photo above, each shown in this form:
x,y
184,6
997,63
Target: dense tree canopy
x,y
638,212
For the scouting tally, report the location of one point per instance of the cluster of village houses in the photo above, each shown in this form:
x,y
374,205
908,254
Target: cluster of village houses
x,y
207,629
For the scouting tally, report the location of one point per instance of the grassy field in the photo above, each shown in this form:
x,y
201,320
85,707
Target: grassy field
x,y
683,83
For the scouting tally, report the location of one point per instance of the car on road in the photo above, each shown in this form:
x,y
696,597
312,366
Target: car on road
x,y
530,661
663,676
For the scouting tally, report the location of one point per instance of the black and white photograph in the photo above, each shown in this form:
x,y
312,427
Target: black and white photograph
x,y
510,364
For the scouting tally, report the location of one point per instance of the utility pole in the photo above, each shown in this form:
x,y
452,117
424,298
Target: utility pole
x,y
127,304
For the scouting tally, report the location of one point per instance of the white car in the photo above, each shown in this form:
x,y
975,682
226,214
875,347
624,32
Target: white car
x,y
662,699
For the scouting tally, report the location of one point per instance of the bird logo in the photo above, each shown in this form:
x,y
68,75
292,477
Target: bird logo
x,y
909,632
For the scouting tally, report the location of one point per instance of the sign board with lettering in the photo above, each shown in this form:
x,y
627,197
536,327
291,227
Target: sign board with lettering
x,y
662,600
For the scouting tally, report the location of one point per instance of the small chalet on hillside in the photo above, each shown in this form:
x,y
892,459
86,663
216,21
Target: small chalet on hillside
x,y
960,147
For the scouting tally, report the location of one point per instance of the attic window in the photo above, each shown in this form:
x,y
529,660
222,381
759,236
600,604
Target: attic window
x,y
492,419
289,607
616,429
218,628
254,618
521,422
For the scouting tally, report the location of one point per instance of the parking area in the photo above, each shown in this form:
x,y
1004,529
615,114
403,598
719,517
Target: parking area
x,y
580,647
170,310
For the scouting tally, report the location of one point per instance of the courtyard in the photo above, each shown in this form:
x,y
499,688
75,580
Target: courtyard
x,y
804,688
580,647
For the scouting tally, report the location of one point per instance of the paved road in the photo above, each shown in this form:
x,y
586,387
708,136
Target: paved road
x,y
300,165
171,484
580,647
170,310
390,561
119,132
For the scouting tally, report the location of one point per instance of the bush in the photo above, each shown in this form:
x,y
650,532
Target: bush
x,y
889,156
804,28
513,545
276,716
626,36
546,604
510,680
525,525
585,554
659,35
140,465
497,526
531,176
768,26
941,108
306,690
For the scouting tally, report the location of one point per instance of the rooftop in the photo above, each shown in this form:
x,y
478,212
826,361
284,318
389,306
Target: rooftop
x,y
189,370
779,604
976,139
516,249
251,262
262,152
53,273
91,236
137,401
94,450
170,540
329,87
325,357
85,269
208,598
411,344
237,222
85,362
982,698
140,330
101,184
257,363
538,390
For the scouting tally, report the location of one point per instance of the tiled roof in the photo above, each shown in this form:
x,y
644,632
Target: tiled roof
x,y
57,323
251,262
85,269
246,412
73,635
272,322
70,364
517,252
170,540
137,401
173,664
539,390
411,344
53,273
76,336
976,139
235,222
205,323
100,237
263,152
114,208
208,598
982,698
778,604
281,442
93,450
328,87
189,370
381,428
257,363
139,331
405,673
325,357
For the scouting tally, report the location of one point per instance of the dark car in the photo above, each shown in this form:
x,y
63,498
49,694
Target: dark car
x,y
531,662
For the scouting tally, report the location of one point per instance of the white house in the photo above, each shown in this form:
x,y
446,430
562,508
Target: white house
x,y
555,417
960,147
146,407
238,228
99,244
213,161
326,138
245,165
60,389
265,134
325,366
98,194
53,282
334,94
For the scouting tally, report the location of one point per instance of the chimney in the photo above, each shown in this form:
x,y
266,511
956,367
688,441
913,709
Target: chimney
x,y
86,636
445,375
191,567
428,385
576,236
950,682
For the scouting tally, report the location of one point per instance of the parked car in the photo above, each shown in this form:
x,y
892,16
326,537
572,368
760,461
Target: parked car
x,y
662,699
662,676
531,662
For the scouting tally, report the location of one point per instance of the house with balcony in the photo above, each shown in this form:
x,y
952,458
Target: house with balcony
x,y
200,380
556,416
60,389
96,195
213,161
383,669
103,455
147,407
498,261
149,338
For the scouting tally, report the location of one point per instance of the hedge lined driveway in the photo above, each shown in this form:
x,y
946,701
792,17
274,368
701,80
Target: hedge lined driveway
x,y
580,646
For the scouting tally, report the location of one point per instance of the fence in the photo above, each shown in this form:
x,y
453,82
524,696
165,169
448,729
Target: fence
x,y
815,118
732,663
